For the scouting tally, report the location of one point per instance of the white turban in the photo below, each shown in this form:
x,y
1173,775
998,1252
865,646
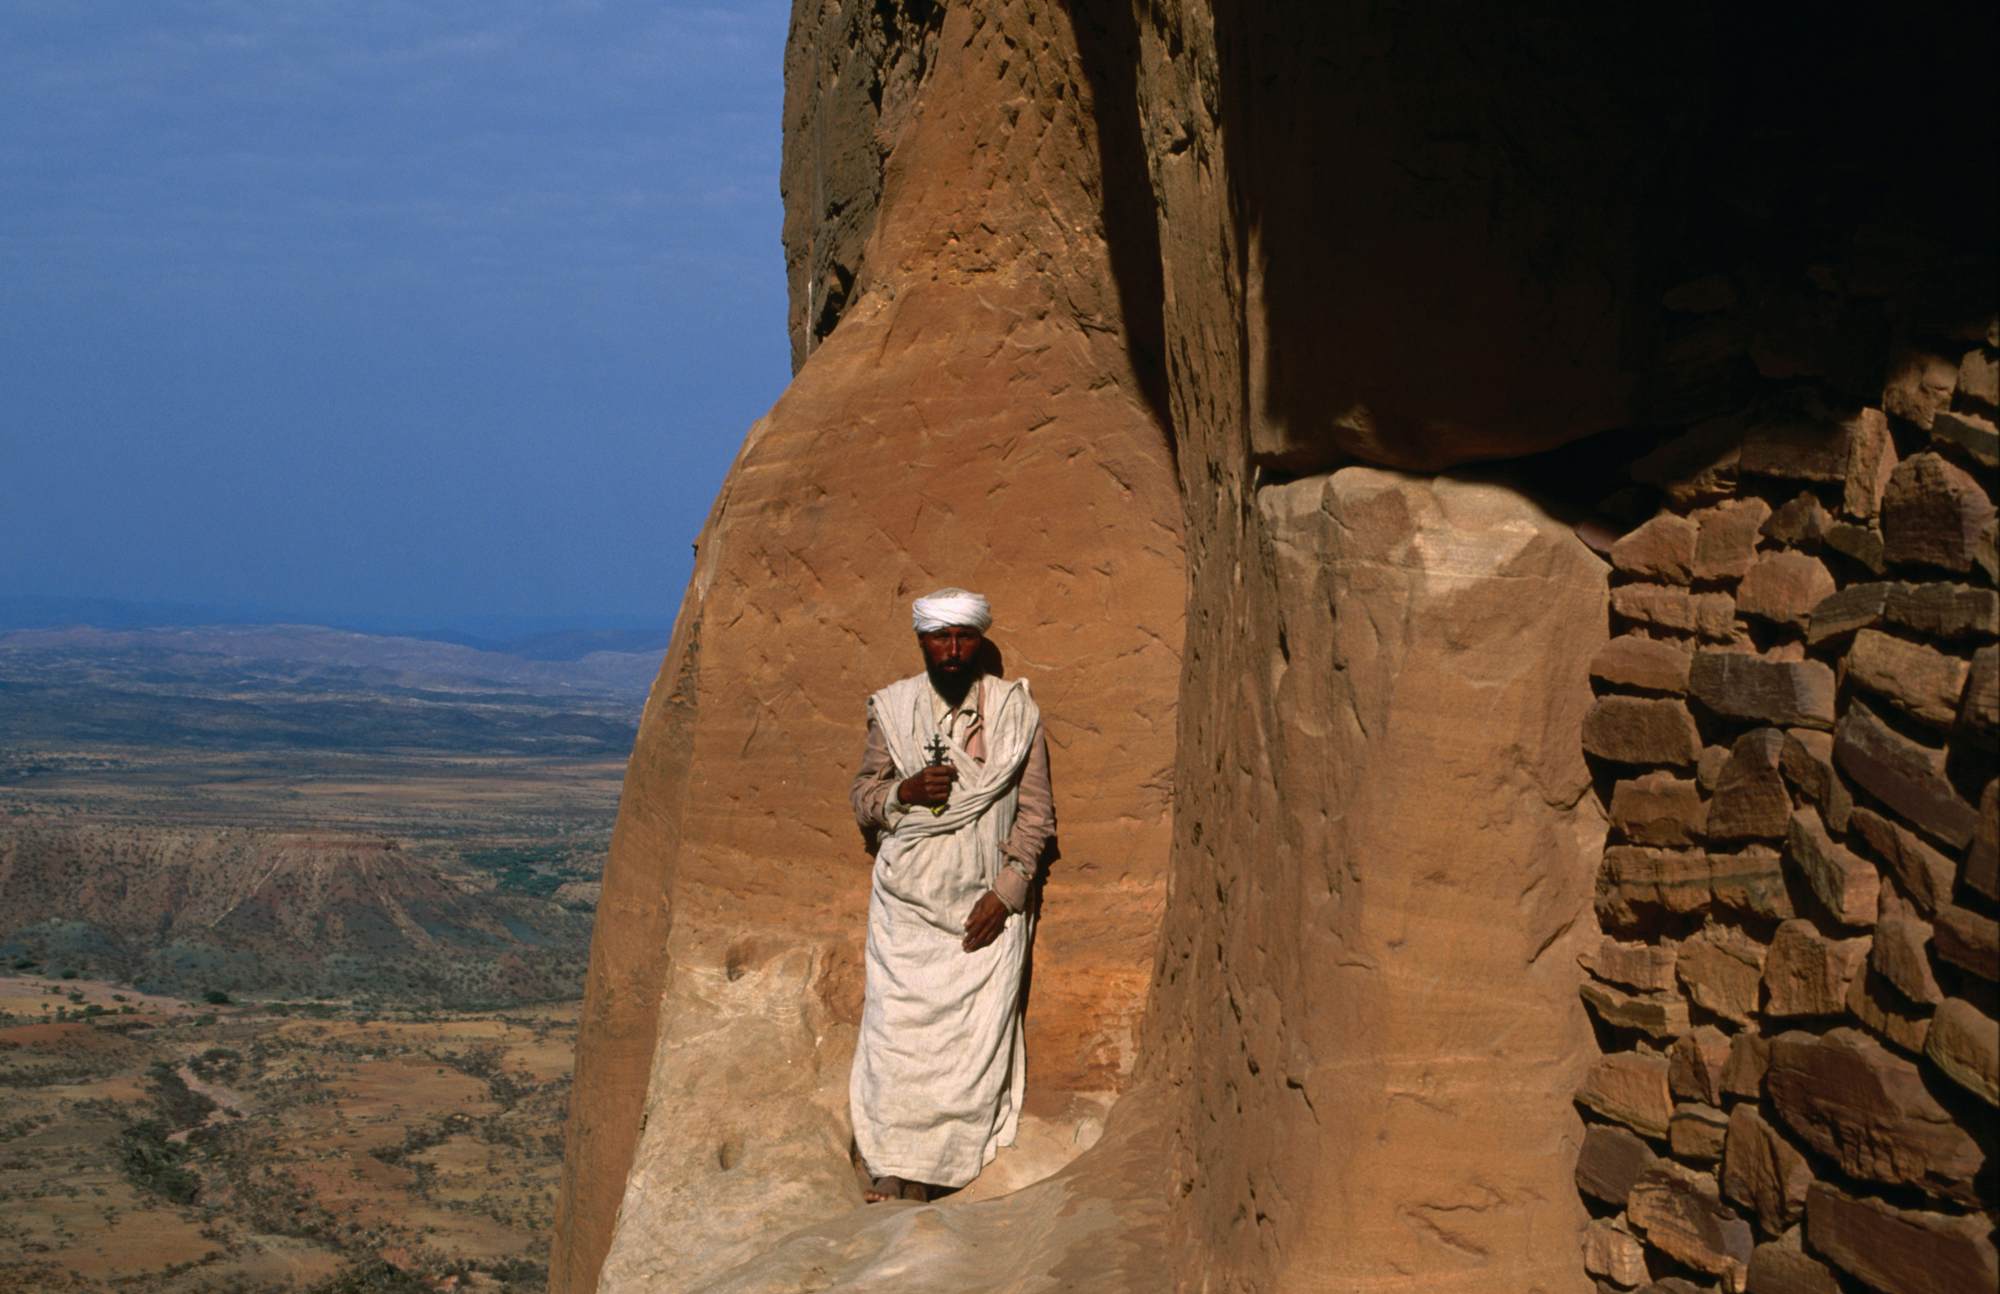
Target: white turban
x,y
948,607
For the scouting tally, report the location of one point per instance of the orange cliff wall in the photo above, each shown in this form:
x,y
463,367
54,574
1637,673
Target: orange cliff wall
x,y
971,421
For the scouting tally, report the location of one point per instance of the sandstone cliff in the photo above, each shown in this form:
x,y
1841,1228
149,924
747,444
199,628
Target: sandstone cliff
x,y
1155,321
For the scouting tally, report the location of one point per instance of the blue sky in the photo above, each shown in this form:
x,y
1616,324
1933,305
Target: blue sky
x,y
361,307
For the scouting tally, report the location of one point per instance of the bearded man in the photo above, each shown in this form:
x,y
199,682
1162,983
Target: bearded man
x,y
954,784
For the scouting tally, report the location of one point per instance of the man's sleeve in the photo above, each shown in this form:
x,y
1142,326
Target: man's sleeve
x,y
874,793
1034,826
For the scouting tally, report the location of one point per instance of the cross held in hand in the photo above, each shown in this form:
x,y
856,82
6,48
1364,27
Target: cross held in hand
x,y
937,751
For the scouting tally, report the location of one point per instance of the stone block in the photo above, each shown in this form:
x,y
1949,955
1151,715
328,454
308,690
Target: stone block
x,y
1697,466
1801,523
1901,955
1749,1057
1641,730
1949,611
1925,874
1750,880
1707,615
1610,1161
1630,1087
1808,974
1661,549
1798,445
1848,885
1781,1267
1979,710
1695,1063
1860,544
1726,537
1695,1132
1970,435
1862,1106
1901,773
1750,801
1783,588
1888,1014
1645,664
1659,1015
1721,968
1858,606
1807,763
1614,1254
1901,1251
1636,878
1921,681
1658,809
1934,514
1762,1171
1871,458
1982,860
1682,1215
1920,384
1964,1043
1643,966
1709,765
1968,940
1978,380
1790,694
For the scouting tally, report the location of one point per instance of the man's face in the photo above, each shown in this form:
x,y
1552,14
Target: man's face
x,y
951,651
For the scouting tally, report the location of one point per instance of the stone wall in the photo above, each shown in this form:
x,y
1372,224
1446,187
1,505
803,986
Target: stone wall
x,y
1795,741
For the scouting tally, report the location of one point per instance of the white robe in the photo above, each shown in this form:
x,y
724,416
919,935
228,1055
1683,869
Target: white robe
x,y
940,1067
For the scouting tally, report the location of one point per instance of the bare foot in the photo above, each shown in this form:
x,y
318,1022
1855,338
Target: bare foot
x,y
895,1188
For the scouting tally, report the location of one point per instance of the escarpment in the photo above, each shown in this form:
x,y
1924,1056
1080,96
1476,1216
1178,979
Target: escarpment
x,y
1498,508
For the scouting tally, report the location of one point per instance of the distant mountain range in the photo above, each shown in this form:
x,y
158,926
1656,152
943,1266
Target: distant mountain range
x,y
549,638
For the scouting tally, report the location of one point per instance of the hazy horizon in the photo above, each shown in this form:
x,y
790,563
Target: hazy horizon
x,y
385,312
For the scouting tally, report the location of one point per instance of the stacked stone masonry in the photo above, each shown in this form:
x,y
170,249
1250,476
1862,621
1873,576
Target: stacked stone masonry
x,y
1795,739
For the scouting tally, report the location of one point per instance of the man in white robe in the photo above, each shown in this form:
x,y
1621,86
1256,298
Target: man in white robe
x,y
954,783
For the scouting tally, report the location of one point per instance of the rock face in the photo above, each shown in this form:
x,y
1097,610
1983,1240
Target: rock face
x,y
960,426
1136,316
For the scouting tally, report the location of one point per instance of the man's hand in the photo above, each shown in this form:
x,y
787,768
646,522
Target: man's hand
x,y
929,788
989,917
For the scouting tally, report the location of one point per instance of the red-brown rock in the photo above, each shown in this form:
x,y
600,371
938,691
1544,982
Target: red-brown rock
x,y
1871,458
1661,549
1921,681
1934,514
1978,381
1658,809
1855,607
1786,693
1906,776
1749,1057
1750,880
1867,1109
1888,1014
1782,1267
1750,802
1861,543
1641,730
1807,763
1695,1065
1682,1215
1784,588
1979,711
1610,1161
1982,860
1968,435
1721,968
1925,874
1801,523
1964,1043
1901,1251
1807,974
1645,664
1968,940
1762,1171
1920,383
1647,967
1637,878
1614,1254
1707,615
1696,1132
1953,611
1901,955
1661,1015
1630,1087
1727,538
1848,885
